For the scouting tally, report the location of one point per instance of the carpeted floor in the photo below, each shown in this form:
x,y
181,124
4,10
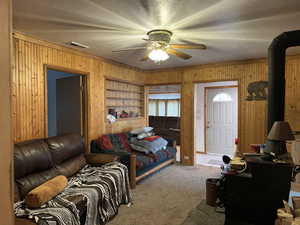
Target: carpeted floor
x,y
167,197
204,214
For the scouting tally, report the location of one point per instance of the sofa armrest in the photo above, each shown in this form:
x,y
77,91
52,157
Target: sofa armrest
x,y
171,143
126,158
24,221
99,158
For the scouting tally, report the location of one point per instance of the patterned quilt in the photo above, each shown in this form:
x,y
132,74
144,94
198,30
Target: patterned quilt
x,y
104,188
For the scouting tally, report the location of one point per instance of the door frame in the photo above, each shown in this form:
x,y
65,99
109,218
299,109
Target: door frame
x,y
181,107
206,109
85,80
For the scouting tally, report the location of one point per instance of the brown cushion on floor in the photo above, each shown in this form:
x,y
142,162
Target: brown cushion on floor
x,y
45,192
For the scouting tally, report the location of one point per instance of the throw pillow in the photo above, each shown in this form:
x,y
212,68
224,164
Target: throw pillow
x,y
105,143
148,129
45,192
144,135
141,130
151,138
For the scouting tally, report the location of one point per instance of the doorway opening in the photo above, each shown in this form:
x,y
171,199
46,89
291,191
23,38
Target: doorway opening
x,y
66,103
216,121
164,102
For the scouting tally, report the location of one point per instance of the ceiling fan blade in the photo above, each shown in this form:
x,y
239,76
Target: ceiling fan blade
x,y
179,54
188,46
129,49
145,58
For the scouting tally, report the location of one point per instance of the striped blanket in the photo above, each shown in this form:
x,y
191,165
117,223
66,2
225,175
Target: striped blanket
x,y
104,189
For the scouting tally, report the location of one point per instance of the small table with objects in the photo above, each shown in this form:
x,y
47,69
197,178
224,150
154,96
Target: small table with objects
x,y
255,195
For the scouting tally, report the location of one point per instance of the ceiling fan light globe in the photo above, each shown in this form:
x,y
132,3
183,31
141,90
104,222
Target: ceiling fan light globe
x,y
158,55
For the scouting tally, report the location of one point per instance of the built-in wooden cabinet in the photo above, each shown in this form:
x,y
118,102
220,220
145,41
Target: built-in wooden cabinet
x,y
123,96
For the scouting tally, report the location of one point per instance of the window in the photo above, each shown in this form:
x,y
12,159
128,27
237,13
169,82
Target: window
x,y
222,97
164,107
161,107
173,108
152,108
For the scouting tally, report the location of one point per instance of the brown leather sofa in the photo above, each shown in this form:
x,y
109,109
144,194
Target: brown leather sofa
x,y
37,161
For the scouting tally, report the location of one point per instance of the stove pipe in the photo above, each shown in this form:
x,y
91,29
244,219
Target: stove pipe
x,y
276,92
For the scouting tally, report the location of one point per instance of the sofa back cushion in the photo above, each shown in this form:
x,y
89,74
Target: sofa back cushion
x,y
67,153
104,142
114,142
29,182
31,157
120,142
70,167
65,147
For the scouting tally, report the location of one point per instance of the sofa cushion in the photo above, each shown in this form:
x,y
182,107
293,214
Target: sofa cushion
x,y
143,161
105,143
27,183
120,142
71,166
31,157
165,154
65,147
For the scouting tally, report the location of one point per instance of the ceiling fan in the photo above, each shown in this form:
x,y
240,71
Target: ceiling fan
x,y
159,47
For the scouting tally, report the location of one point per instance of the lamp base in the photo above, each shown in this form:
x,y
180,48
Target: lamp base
x,y
276,147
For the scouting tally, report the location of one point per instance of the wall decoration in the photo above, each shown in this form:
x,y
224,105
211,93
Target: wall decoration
x,y
257,91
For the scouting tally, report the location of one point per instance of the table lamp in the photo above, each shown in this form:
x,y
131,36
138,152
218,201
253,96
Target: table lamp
x,y
278,135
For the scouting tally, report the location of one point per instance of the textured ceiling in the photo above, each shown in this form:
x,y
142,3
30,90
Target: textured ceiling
x,y
231,29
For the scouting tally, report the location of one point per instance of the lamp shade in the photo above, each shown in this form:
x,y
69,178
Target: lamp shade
x,y
281,131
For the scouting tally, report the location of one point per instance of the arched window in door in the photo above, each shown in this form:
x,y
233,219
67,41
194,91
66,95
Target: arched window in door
x,y
222,97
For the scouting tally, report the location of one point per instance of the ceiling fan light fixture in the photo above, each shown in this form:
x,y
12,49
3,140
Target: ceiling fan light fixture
x,y
158,55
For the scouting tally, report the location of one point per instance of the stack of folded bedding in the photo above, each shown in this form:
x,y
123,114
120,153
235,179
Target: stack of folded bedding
x,y
143,140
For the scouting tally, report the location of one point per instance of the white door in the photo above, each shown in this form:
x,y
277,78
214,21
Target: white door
x,y
221,120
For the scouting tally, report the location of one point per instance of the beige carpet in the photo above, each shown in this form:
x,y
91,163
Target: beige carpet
x,y
166,197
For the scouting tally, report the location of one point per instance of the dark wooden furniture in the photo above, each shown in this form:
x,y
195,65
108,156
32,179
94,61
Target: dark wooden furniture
x,y
255,195
166,126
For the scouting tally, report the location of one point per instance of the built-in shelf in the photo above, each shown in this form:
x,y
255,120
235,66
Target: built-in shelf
x,y
122,106
125,96
137,92
138,99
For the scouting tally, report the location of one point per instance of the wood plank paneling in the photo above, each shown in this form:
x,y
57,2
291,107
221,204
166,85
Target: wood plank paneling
x,y
6,152
28,91
252,114
28,86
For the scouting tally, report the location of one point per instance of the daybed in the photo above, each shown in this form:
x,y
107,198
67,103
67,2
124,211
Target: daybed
x,y
139,164
38,161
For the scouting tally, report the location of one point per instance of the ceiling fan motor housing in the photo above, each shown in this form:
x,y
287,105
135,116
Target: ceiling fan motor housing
x,y
161,36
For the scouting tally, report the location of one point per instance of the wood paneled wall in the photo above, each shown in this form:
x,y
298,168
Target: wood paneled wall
x,y
6,152
252,114
28,91
28,86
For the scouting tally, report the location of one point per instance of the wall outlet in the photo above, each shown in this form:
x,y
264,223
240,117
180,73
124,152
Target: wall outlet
x,y
186,157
